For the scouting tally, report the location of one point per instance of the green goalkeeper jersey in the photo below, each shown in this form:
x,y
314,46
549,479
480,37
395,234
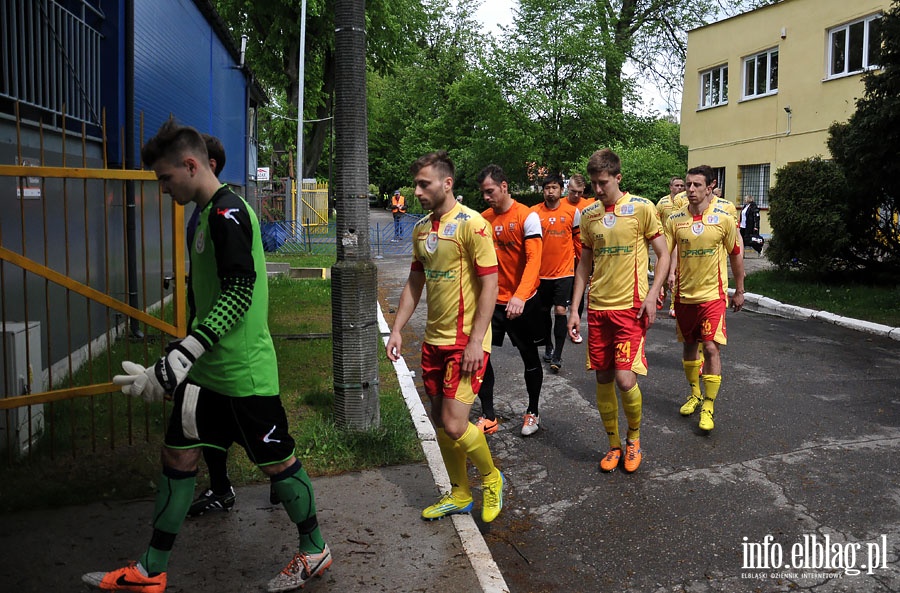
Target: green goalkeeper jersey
x,y
230,301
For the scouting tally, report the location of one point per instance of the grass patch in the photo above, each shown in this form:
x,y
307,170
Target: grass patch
x,y
107,447
313,260
875,303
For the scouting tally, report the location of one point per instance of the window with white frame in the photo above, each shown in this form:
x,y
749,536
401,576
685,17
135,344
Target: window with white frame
x,y
714,86
719,173
761,74
755,182
854,47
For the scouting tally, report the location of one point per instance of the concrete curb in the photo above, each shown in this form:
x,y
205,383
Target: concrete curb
x,y
486,570
761,304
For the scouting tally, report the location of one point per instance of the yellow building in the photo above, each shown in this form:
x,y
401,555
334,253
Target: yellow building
x,y
762,88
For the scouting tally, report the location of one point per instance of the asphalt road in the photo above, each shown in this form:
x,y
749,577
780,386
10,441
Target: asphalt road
x,y
805,448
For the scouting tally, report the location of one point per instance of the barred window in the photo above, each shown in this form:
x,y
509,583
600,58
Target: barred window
x,y
755,182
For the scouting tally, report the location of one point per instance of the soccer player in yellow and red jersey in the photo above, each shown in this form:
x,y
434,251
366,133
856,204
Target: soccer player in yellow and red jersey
x,y
560,227
517,239
672,201
575,196
704,238
453,255
616,232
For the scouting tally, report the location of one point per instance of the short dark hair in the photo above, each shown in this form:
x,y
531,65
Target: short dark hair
x,y
216,151
495,172
704,170
439,159
552,178
604,160
578,178
173,141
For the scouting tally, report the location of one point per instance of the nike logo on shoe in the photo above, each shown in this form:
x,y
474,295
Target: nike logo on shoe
x,y
122,580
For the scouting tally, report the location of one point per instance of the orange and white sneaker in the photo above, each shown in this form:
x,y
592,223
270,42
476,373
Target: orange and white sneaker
x,y
133,577
633,455
610,461
530,424
302,567
487,426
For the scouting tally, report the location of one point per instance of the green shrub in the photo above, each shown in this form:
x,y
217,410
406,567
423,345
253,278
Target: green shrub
x,y
808,210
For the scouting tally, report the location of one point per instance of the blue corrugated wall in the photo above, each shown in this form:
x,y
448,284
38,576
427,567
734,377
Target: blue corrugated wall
x,y
182,68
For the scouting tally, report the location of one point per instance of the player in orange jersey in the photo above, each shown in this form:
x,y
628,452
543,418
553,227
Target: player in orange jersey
x,y
560,227
517,239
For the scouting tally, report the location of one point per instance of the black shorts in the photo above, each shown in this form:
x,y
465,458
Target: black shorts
x,y
523,331
202,417
556,292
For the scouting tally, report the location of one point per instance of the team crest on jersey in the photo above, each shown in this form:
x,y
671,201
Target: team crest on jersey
x,y
499,229
712,219
562,219
609,220
200,241
512,227
450,229
697,228
431,242
627,210
552,220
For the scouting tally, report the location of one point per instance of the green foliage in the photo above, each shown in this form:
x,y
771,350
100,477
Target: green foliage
x,y
808,212
529,198
867,148
863,299
646,170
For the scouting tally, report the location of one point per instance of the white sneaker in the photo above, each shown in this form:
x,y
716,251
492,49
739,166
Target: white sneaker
x,y
530,424
576,338
302,567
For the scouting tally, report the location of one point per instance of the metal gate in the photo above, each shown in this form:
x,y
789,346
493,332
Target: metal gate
x,y
92,267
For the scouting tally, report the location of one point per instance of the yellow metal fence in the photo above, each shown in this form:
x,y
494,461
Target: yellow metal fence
x,y
92,271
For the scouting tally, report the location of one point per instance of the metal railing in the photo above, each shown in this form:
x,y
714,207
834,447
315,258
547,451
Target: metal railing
x,y
51,59
290,238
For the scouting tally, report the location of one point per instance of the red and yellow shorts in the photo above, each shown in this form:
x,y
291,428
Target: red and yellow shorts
x,y
616,341
441,374
701,322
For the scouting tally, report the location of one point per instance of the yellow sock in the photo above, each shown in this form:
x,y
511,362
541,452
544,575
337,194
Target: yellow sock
x,y
711,383
476,448
692,373
455,462
632,403
608,406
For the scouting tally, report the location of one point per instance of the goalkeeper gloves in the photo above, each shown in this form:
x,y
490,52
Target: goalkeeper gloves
x,y
162,378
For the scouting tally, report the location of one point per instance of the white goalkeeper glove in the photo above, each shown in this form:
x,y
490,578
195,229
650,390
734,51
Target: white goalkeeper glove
x,y
162,378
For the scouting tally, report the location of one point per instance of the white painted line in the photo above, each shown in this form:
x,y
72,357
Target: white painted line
x,y
486,570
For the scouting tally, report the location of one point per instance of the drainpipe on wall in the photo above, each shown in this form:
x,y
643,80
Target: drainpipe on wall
x,y
130,224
